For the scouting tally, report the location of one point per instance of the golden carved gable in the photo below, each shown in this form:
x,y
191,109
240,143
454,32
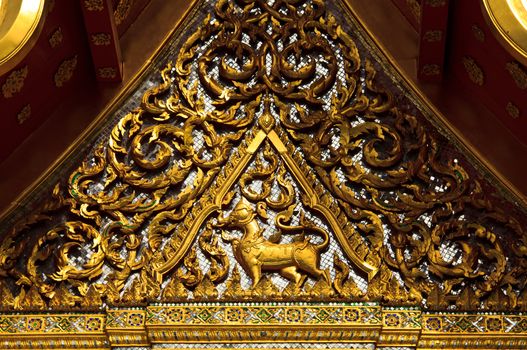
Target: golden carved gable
x,y
276,174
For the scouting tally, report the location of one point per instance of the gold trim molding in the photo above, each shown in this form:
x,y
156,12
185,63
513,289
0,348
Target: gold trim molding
x,y
367,323
508,22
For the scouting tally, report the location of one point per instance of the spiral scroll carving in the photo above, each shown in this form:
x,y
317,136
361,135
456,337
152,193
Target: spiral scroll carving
x,y
280,94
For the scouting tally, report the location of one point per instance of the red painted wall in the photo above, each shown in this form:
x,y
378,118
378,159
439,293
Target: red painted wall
x,y
499,87
39,90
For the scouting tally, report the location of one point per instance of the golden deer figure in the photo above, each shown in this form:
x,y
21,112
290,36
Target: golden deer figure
x,y
255,253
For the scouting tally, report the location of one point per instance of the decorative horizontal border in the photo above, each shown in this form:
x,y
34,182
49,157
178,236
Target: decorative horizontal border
x,y
52,323
473,331
194,323
264,322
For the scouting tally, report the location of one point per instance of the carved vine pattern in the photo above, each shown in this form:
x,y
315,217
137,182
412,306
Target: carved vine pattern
x,y
124,211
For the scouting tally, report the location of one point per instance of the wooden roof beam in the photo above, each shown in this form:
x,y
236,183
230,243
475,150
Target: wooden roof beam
x,y
103,38
432,38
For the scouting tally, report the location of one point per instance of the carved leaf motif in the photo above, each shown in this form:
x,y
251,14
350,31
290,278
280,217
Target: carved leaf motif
x,y
261,172
174,291
63,298
193,275
7,301
233,287
265,289
30,300
205,290
322,290
284,106
219,260
343,283
93,298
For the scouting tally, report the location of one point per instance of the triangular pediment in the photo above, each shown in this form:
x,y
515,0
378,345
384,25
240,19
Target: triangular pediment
x,y
275,170
266,194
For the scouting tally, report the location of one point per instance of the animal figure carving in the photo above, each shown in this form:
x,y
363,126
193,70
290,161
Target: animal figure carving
x,y
256,254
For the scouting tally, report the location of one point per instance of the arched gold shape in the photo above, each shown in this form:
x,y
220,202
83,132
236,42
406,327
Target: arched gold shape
x,y
508,22
20,24
369,266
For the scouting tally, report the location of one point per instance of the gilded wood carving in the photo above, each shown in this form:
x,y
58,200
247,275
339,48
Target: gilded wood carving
x,y
268,164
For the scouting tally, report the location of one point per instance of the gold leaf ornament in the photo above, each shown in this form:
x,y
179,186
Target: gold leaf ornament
x,y
269,162
65,71
14,82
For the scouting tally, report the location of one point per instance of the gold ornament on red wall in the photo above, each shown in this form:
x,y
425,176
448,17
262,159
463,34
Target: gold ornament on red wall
x,y
435,3
24,114
415,8
474,71
14,82
512,110
106,72
431,69
65,71
94,5
101,39
432,36
55,40
518,74
478,33
122,10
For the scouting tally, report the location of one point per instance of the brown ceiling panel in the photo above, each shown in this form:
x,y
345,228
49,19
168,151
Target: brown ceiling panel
x,y
411,9
126,11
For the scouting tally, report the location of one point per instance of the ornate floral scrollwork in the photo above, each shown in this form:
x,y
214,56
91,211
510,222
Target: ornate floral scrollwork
x,y
271,161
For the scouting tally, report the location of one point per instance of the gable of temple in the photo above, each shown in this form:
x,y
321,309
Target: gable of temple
x,y
272,178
